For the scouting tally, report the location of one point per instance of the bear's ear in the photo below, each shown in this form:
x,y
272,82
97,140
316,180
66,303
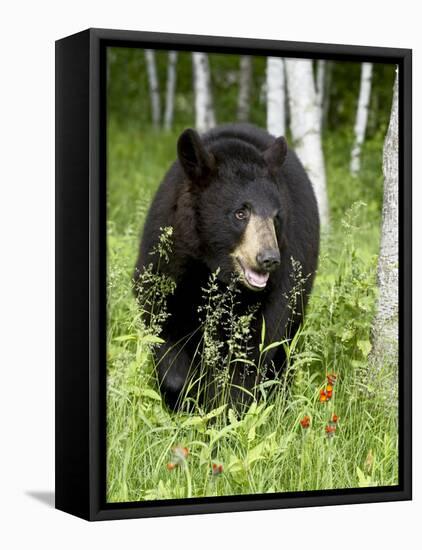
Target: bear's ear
x,y
196,161
275,155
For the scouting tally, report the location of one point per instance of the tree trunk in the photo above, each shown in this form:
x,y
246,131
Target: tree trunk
x,y
245,78
171,87
305,128
276,114
385,327
154,89
320,86
361,116
204,111
327,91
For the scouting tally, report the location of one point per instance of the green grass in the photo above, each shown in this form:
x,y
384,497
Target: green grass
x,y
267,450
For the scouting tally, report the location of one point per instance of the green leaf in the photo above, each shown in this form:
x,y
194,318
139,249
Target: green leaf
x,y
125,338
262,450
363,480
151,339
347,335
152,394
235,465
241,360
216,435
232,416
204,455
193,421
215,412
264,415
273,345
364,346
261,344
251,434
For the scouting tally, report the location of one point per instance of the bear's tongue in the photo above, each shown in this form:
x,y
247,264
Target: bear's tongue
x,y
256,279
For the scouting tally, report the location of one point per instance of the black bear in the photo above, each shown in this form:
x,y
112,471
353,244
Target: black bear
x,y
241,205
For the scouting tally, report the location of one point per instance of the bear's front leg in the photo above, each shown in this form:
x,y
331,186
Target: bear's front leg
x,y
173,365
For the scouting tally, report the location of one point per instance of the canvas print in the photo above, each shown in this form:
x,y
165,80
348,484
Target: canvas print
x,y
252,275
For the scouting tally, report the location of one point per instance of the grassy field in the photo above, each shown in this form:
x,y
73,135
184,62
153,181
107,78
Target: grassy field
x,y
291,440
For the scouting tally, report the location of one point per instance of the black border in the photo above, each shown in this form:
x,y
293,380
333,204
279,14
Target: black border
x,y
84,475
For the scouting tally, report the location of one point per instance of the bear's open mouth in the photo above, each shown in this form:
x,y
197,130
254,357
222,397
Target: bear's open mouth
x,y
253,279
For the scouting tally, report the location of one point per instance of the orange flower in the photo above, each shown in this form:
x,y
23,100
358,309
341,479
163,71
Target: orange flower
x,y
323,396
171,466
330,429
305,422
217,469
334,419
179,454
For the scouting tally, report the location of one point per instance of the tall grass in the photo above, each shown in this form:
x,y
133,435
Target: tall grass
x,y
291,439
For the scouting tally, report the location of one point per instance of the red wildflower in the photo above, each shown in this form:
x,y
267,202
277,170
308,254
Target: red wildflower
x,y
179,454
334,418
330,429
217,469
305,422
171,466
323,396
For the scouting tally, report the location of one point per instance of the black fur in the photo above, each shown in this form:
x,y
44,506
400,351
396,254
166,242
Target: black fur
x,y
213,177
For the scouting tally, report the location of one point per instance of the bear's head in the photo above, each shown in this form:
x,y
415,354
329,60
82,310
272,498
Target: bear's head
x,y
237,205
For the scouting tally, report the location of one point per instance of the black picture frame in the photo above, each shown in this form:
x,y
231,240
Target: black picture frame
x,y
81,273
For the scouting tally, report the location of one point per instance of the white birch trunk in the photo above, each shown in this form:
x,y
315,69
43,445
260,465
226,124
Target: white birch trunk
x,y
245,78
204,111
305,128
361,116
171,87
385,325
326,97
276,115
320,87
154,89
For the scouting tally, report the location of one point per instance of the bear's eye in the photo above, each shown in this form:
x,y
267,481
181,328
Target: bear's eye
x,y
242,214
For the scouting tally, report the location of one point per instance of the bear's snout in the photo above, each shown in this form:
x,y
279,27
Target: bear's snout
x,y
268,260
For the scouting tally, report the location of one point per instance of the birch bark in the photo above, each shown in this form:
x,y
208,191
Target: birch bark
x,y
320,87
276,115
305,128
361,116
326,97
170,90
245,78
204,111
385,326
154,90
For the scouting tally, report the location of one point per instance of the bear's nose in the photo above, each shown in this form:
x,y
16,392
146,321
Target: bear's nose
x,y
268,259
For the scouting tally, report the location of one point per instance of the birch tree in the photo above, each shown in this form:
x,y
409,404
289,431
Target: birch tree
x,y
320,87
245,79
204,110
170,90
305,128
154,89
276,115
385,325
361,116
326,96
